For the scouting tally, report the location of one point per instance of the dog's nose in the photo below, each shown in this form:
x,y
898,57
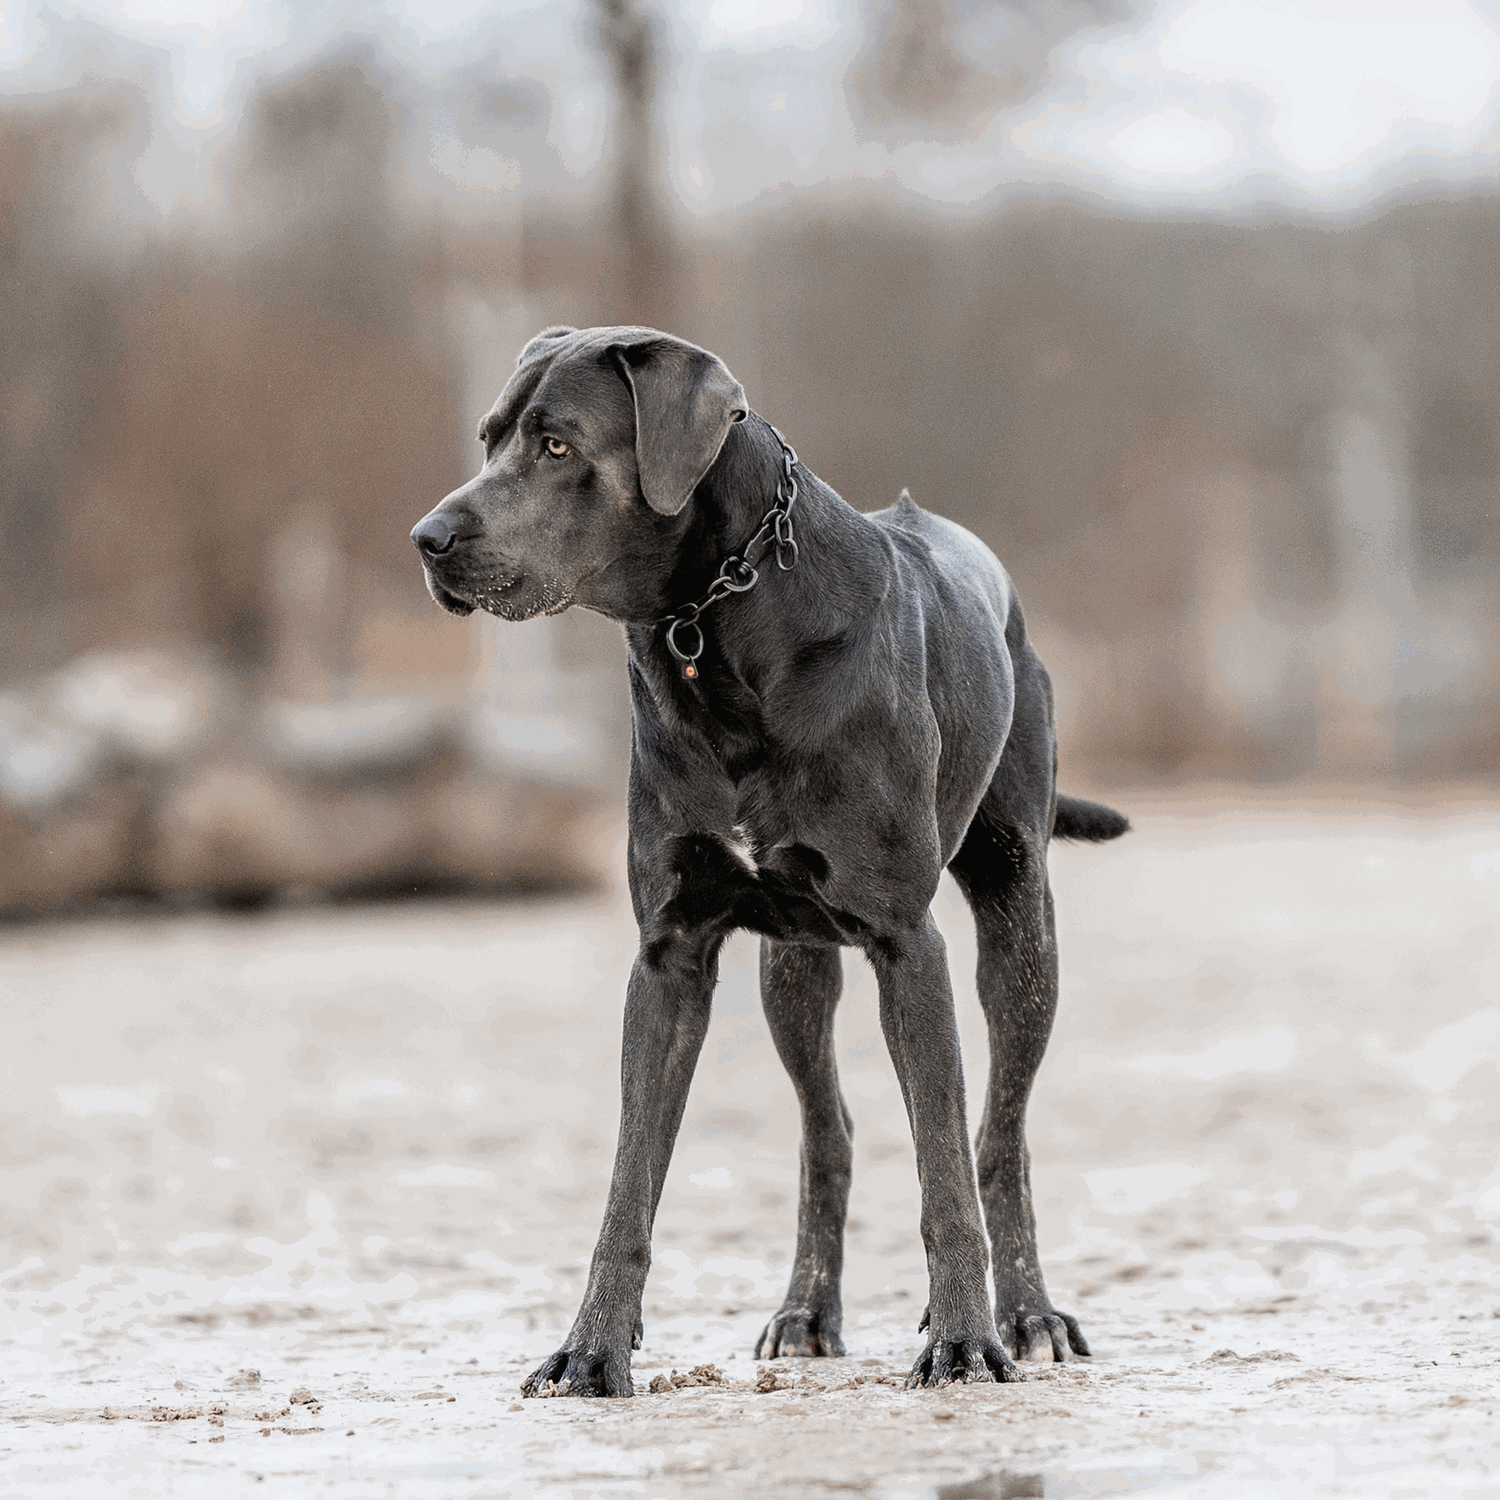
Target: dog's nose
x,y
434,535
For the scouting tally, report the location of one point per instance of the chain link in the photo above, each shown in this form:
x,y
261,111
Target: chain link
x,y
738,573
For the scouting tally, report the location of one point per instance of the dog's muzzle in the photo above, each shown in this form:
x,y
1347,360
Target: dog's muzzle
x,y
435,537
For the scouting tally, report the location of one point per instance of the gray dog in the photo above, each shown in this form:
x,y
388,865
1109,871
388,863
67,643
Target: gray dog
x,y
830,709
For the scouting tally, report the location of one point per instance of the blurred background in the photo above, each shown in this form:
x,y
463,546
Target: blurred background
x,y
1189,309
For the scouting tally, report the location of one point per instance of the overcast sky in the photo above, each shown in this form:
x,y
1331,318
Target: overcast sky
x,y
1203,102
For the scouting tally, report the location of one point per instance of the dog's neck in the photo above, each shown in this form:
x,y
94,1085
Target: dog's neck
x,y
756,632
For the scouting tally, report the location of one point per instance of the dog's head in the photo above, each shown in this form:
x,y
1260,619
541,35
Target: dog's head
x,y
590,456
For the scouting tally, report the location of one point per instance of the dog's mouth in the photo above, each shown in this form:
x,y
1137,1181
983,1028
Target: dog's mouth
x,y
507,602
507,598
451,602
487,596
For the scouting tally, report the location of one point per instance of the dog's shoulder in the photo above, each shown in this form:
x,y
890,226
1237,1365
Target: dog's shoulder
x,y
945,547
908,518
904,515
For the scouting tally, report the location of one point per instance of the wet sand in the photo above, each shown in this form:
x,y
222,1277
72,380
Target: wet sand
x,y
363,1153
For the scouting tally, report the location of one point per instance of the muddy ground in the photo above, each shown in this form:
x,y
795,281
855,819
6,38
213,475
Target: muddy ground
x,y
360,1157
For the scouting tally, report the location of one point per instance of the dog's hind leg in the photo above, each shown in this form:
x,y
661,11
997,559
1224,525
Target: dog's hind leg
x,y
921,1033
1002,870
800,989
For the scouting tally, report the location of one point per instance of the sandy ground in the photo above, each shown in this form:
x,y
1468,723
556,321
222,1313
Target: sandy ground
x,y
363,1154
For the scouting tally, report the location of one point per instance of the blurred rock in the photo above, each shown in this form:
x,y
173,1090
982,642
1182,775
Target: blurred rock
x,y
75,848
42,762
152,777
549,747
243,831
151,706
64,817
354,737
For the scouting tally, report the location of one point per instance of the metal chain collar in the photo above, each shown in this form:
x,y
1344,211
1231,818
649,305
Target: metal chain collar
x,y
738,573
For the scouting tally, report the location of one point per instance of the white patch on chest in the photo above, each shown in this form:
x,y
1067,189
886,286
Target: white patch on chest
x,y
739,846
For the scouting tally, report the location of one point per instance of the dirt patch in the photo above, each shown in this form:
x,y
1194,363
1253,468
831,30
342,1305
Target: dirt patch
x,y
698,1375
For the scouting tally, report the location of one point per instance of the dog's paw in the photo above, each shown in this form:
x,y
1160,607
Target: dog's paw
x,y
972,1361
1042,1338
801,1333
581,1372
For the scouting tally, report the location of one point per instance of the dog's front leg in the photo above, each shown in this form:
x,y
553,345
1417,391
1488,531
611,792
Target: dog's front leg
x,y
916,1014
799,988
666,1017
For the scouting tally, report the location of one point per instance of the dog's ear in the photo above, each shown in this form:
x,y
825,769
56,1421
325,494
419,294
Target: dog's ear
x,y
685,403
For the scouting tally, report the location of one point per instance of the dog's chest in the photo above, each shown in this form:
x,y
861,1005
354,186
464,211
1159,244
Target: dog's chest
x,y
740,843
728,878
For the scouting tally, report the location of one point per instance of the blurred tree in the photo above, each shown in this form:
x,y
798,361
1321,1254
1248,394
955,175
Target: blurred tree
x,y
174,398
640,262
313,213
946,67
63,269
316,300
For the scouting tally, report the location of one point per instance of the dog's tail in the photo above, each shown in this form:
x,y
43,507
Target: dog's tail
x,y
1077,819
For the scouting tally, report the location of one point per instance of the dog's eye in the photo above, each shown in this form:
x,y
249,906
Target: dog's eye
x,y
556,448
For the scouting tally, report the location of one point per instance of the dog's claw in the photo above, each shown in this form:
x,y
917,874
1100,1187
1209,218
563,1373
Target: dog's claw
x,y
801,1333
1076,1340
581,1372
1043,1338
970,1361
